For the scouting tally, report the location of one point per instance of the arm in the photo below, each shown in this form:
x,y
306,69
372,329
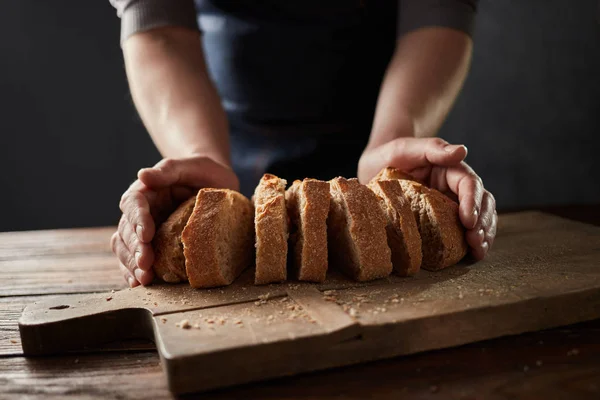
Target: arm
x,y
174,95
181,110
423,79
422,82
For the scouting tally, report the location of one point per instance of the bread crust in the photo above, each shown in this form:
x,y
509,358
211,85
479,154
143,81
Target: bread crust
x,y
271,230
390,173
218,238
356,231
169,262
307,203
403,234
442,233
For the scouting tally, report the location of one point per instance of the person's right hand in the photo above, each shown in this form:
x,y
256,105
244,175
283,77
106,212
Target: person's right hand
x,y
150,200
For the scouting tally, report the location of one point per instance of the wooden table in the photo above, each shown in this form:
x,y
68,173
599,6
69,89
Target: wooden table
x,y
557,363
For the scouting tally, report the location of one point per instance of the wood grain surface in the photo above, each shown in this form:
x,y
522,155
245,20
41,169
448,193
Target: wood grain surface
x,y
557,363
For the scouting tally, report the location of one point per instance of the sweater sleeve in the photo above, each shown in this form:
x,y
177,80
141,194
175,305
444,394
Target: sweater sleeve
x,y
456,14
142,15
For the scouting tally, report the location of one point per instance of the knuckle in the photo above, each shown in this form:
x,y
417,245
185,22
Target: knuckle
x,y
124,199
438,142
113,242
396,151
166,164
492,200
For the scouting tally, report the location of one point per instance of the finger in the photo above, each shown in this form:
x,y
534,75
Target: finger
x,y
142,252
485,223
475,237
479,252
136,209
412,153
195,172
127,260
465,183
490,234
131,281
124,255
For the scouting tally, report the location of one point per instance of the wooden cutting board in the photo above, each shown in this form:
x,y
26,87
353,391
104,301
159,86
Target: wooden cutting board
x,y
543,272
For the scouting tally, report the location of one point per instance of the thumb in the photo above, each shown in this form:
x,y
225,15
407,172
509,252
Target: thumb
x,y
197,172
410,153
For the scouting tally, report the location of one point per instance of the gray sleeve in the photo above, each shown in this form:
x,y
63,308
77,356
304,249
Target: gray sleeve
x,y
143,15
456,14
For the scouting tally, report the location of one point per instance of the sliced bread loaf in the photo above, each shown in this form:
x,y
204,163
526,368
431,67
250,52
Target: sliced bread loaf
x,y
402,232
218,240
356,231
307,203
169,263
271,228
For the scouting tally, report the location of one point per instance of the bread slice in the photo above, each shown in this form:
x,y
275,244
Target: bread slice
x,y
271,228
356,231
218,238
307,203
169,263
402,232
441,231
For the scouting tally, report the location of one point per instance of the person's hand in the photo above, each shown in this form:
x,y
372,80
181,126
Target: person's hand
x,y
150,200
440,165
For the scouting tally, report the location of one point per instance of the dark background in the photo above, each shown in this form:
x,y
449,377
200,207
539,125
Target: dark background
x,y
71,141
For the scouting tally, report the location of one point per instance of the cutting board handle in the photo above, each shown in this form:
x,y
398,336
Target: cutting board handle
x,y
74,322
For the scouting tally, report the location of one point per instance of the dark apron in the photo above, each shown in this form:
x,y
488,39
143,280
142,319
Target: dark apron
x,y
298,80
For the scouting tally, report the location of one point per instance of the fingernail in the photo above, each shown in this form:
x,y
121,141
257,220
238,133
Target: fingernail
x,y
130,281
138,274
139,231
453,147
481,233
485,246
138,255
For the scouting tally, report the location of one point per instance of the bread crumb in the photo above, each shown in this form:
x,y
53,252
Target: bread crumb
x,y
221,320
538,363
293,287
573,352
76,361
109,298
13,341
148,293
460,295
112,291
353,313
270,317
283,300
183,324
163,320
329,292
264,296
238,322
526,368
395,301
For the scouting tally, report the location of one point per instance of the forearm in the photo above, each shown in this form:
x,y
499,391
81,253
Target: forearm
x,y
422,82
174,95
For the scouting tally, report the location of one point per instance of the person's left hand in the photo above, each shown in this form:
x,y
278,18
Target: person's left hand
x,y
441,166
